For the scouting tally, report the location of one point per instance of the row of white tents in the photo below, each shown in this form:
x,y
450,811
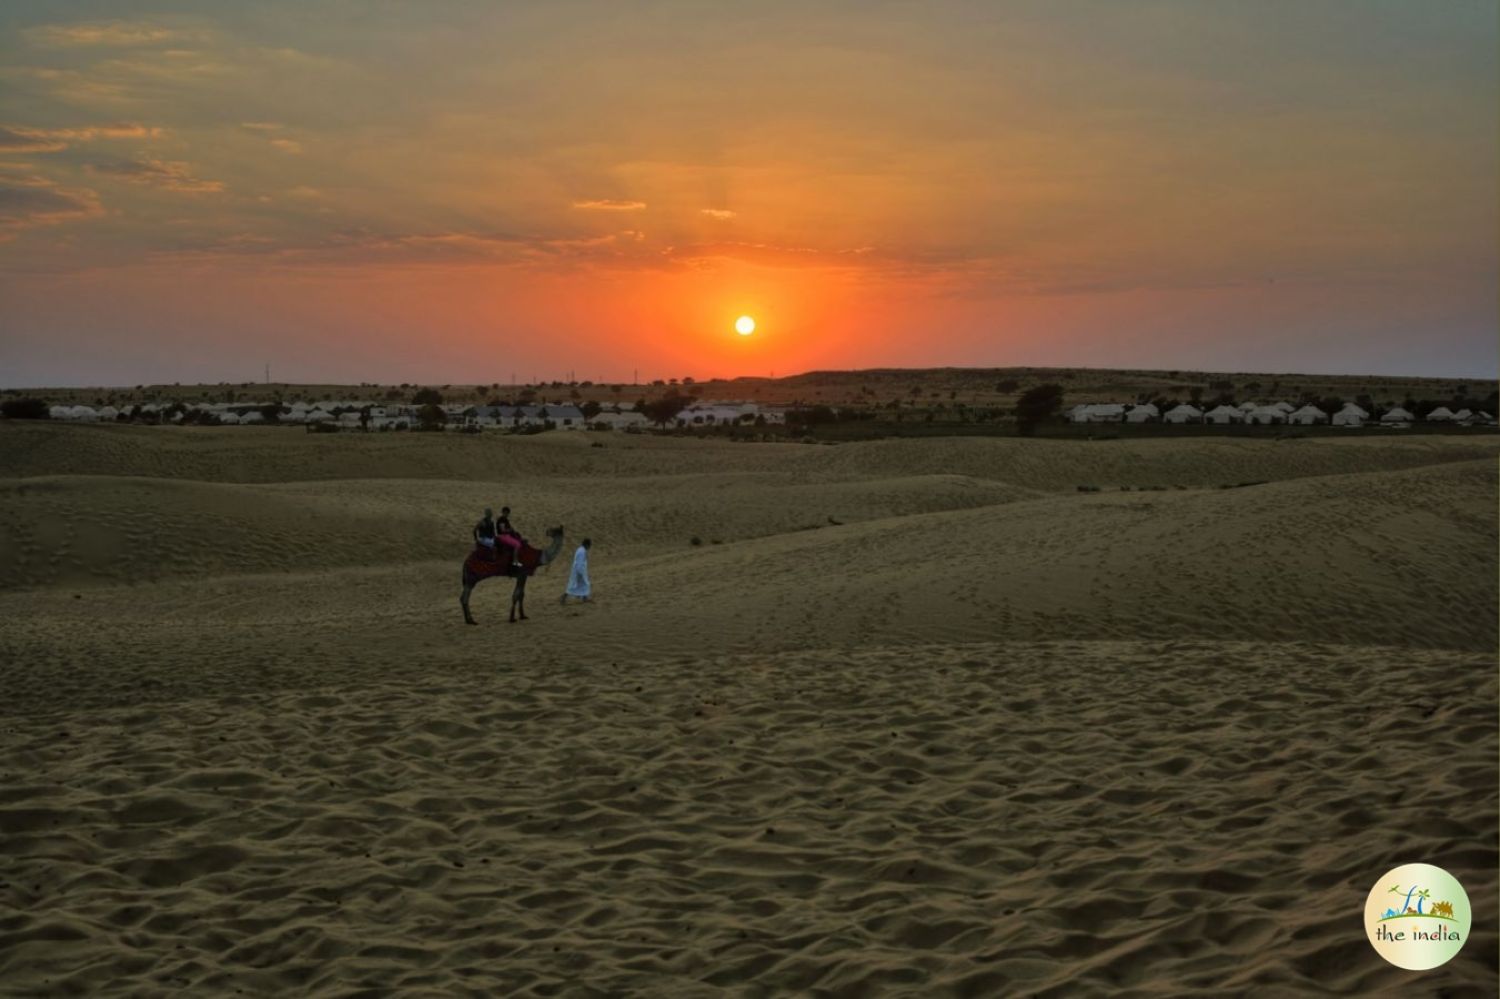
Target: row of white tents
x,y
356,414
1351,415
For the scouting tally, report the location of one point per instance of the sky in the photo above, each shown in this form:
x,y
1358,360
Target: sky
x,y
365,190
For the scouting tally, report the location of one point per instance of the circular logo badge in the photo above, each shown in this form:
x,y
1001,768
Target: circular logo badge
x,y
1417,916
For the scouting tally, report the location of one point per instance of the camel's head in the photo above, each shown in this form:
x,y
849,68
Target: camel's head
x,y
555,532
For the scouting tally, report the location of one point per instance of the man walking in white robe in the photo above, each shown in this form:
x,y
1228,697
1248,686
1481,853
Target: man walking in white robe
x,y
578,579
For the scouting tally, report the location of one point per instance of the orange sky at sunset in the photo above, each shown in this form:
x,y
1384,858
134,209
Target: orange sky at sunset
x,y
451,192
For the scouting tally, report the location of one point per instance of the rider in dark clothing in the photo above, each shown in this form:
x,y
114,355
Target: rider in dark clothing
x,y
484,531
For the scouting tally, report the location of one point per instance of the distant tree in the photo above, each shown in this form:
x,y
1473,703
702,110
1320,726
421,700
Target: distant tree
x,y
1037,404
590,409
427,397
271,412
431,417
665,409
687,380
25,409
1196,394
811,416
1006,386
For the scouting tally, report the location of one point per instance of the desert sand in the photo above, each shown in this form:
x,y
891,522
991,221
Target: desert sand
x,y
911,717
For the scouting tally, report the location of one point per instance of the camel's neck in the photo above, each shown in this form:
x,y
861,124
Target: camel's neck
x,y
553,548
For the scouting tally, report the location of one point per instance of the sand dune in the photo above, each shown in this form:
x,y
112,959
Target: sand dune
x,y
1059,819
924,720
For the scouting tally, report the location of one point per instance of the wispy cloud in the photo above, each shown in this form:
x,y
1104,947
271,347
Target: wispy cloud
x,y
112,34
19,138
261,126
287,145
30,200
607,205
772,255
169,175
718,214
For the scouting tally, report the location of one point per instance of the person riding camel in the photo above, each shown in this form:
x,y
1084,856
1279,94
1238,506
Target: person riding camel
x,y
506,535
484,532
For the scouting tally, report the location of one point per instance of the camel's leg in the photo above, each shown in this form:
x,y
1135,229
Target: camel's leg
x,y
463,600
518,599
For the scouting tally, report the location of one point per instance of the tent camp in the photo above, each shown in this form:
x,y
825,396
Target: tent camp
x,y
1106,412
1440,415
1396,415
1223,414
1183,414
1350,416
1265,415
1308,415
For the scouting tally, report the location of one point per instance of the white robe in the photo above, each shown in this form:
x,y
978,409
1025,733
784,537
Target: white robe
x,y
578,580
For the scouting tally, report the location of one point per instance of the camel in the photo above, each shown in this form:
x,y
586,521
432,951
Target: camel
x,y
483,563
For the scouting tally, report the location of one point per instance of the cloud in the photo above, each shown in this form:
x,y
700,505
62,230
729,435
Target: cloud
x,y
29,201
771,255
171,176
718,214
114,34
261,126
287,145
606,205
18,138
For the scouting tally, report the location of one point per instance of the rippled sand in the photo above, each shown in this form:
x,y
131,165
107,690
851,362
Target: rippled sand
x,y
914,718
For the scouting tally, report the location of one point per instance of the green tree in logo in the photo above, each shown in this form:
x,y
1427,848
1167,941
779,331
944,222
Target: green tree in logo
x,y
1420,893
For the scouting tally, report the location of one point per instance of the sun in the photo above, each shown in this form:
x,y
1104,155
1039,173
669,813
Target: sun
x,y
744,325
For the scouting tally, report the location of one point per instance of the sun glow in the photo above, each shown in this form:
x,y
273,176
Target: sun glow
x,y
744,325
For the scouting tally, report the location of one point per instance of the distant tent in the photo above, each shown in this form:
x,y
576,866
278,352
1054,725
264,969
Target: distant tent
x,y
1440,415
1265,414
1223,414
109,413
1350,407
229,418
252,417
1105,412
1348,417
1140,414
1308,415
1483,417
1246,407
85,413
1463,415
1397,415
1183,414
1285,407
60,412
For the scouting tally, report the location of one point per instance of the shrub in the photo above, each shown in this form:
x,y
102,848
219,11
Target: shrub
x,y
24,409
427,397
